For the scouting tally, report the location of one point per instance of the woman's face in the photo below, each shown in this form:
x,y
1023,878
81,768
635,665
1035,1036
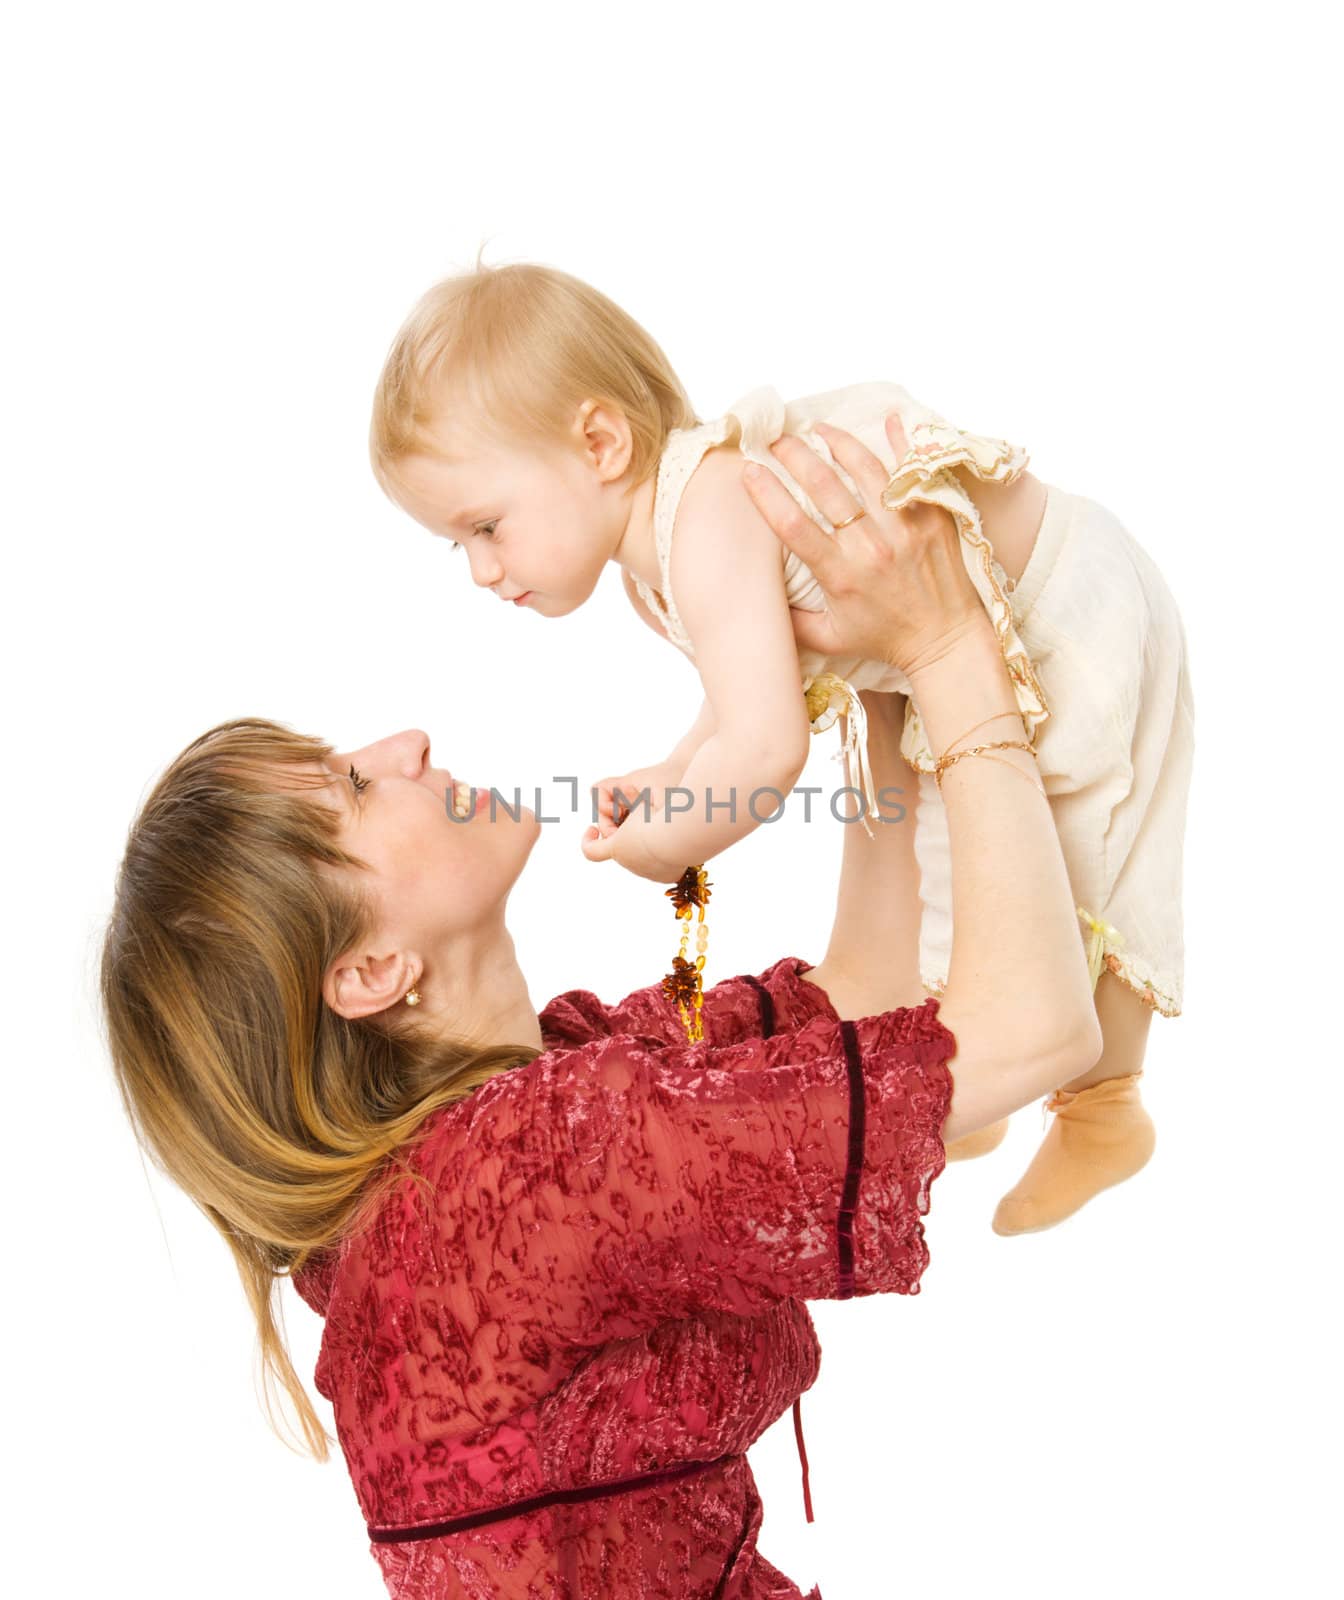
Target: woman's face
x,y
438,884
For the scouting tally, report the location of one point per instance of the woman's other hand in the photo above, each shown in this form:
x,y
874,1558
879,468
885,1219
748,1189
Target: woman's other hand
x,y
896,586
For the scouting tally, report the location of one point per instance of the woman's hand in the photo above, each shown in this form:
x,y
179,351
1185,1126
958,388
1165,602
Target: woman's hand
x,y
896,586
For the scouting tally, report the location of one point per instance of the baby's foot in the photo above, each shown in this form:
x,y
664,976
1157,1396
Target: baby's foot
x,y
1101,1135
979,1143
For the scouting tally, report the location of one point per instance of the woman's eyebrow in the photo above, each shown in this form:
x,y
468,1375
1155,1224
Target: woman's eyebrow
x,y
353,795
342,786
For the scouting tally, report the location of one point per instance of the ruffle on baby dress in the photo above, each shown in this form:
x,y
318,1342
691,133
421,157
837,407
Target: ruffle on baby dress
x,y
926,473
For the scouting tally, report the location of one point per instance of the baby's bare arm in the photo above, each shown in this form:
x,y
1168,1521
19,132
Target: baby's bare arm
x,y
701,729
728,577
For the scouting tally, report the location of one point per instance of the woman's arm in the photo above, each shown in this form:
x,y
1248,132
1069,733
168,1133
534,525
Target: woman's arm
x,y
1018,998
682,1180
1017,985
872,961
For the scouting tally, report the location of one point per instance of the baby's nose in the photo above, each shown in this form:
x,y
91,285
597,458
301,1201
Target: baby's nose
x,y
485,572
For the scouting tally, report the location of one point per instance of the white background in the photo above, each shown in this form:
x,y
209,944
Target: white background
x,y
1106,233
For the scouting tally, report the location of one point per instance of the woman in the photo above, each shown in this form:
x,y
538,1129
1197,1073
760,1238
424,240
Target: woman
x,y
562,1255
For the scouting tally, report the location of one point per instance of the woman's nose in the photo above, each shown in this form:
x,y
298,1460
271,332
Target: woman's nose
x,y
398,755
413,751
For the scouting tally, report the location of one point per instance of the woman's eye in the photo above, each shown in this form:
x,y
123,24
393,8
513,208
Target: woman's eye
x,y
360,783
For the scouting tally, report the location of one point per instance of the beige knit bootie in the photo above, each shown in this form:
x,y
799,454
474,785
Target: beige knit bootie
x,y
979,1143
1101,1135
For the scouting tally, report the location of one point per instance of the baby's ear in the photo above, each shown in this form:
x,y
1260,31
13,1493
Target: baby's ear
x,y
606,438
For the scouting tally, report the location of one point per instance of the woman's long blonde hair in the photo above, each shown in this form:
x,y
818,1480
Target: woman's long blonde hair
x,y
281,1119
515,350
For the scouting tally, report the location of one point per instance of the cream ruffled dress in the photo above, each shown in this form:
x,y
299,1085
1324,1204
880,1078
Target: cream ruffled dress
x,y
1092,640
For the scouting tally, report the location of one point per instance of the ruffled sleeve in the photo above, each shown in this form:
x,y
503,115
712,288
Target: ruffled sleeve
x,y
926,473
666,1183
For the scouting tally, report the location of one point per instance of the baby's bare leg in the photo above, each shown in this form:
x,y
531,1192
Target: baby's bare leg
x,y
1124,1020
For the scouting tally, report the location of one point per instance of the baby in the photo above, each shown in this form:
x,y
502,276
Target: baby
x,y
528,419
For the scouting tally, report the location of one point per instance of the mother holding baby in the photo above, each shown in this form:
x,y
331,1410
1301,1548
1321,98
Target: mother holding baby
x,y
562,1255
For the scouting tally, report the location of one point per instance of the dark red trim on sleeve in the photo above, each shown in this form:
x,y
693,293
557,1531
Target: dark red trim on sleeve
x,y
849,1195
766,1001
767,1004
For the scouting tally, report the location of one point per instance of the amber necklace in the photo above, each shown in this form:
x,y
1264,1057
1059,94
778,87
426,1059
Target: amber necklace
x,y
684,985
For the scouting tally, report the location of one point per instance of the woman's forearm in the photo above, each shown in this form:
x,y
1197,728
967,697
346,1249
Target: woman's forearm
x,y
1017,965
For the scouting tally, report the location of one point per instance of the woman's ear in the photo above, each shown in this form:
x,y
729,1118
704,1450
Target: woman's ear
x,y
360,984
605,438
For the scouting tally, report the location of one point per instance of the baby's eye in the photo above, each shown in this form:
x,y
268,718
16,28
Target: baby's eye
x,y
487,528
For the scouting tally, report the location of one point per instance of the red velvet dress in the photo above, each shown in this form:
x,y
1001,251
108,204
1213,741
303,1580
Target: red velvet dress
x,y
609,1286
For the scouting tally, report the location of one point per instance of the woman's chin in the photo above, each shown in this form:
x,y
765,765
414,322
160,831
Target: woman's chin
x,y
527,822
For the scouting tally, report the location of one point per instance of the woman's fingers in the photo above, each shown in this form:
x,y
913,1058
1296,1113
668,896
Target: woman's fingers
x,y
786,517
818,477
896,586
814,630
859,462
897,436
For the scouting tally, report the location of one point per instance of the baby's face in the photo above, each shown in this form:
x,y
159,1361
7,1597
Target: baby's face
x,y
537,523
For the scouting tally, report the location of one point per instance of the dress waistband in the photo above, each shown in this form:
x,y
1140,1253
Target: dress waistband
x,y
539,1502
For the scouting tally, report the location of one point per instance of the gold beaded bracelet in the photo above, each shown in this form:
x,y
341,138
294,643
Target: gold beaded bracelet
x,y
946,760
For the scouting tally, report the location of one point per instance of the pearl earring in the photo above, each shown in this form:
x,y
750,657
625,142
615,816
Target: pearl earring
x,y
413,997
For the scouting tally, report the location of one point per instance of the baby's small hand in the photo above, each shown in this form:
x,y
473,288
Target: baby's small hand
x,y
631,786
629,848
597,846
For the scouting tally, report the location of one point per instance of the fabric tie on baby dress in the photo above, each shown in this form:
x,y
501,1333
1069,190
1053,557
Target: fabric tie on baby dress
x,y
1101,938
828,697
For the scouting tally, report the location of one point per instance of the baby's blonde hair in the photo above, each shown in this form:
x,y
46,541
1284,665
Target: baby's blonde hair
x,y
520,347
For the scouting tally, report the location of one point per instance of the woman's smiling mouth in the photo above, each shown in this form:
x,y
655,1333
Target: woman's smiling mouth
x,y
467,798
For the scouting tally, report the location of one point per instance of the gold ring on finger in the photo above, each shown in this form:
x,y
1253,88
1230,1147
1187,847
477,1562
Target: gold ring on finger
x,y
862,512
